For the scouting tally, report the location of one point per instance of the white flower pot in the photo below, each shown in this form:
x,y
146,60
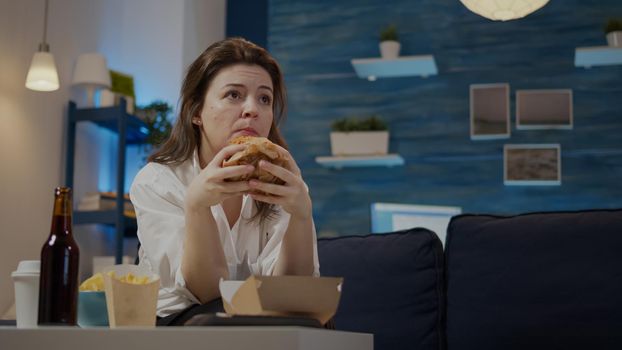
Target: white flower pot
x,y
358,143
389,49
615,38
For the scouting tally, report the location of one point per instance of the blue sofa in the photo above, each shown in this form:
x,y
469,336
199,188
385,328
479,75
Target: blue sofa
x,y
549,280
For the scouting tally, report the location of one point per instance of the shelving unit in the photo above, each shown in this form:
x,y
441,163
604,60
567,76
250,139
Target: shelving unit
x,y
597,56
131,130
406,66
389,160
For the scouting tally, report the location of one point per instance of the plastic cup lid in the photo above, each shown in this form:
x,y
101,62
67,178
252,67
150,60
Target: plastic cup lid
x,y
28,266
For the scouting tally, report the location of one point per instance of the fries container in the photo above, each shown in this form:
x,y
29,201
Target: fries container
x,y
313,297
131,304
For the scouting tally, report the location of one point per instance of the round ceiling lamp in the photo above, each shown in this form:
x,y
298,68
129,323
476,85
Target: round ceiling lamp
x,y
503,10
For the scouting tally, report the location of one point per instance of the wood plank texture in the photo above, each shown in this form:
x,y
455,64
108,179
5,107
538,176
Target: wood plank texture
x,y
429,118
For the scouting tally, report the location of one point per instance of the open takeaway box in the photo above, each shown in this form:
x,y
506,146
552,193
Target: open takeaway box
x,y
314,297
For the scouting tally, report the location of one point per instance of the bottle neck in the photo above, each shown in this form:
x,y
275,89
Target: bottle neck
x,y
61,225
61,218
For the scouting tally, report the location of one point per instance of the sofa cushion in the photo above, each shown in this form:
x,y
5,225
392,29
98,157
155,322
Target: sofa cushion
x,y
535,281
393,286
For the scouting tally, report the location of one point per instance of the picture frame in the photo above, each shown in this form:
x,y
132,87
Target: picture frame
x,y
122,83
532,164
489,111
544,109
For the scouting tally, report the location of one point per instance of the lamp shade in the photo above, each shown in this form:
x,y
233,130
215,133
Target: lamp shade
x,y
42,75
503,10
91,69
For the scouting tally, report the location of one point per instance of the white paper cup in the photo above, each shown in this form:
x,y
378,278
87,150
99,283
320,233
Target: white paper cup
x,y
26,281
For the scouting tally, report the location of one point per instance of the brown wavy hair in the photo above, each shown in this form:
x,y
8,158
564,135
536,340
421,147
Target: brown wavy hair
x,y
186,137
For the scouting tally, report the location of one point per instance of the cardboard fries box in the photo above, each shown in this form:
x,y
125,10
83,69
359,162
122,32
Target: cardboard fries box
x,y
131,304
315,297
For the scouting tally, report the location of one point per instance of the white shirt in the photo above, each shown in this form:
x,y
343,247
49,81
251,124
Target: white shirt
x,y
158,193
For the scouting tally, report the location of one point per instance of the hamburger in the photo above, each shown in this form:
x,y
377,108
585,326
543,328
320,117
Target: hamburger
x,y
257,148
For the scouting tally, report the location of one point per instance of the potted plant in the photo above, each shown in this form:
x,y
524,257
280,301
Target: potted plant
x,y
613,30
389,44
156,118
359,136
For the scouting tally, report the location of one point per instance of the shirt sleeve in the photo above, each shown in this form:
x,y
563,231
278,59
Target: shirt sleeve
x,y
158,202
273,247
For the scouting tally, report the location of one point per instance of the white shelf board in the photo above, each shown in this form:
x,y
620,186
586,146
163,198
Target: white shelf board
x,y
597,56
339,162
406,66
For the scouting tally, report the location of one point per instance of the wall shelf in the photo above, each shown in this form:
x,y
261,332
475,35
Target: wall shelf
x,y
106,217
338,162
85,217
406,66
108,118
597,56
131,130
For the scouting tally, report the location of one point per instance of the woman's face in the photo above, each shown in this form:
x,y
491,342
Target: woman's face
x,y
238,102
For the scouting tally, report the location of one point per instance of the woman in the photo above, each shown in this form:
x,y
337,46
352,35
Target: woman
x,y
196,228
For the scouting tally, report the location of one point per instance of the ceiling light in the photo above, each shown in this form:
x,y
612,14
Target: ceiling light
x,y
503,10
42,75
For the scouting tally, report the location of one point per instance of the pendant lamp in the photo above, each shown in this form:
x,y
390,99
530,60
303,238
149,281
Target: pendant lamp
x,y
42,75
503,10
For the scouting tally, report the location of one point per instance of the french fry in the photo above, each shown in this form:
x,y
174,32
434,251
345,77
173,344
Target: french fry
x,y
130,278
93,284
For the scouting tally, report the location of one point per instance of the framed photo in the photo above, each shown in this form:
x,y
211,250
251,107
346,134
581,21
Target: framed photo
x,y
490,111
532,164
544,109
122,83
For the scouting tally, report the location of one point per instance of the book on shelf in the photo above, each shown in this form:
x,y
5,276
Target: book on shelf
x,y
105,201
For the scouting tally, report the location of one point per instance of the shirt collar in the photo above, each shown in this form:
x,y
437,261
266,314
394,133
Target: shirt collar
x,y
196,163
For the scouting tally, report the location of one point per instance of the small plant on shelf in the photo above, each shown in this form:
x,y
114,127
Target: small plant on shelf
x,y
389,42
613,25
359,136
373,123
613,30
389,33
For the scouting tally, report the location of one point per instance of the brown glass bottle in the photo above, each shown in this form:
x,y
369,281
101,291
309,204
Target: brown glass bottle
x,y
60,257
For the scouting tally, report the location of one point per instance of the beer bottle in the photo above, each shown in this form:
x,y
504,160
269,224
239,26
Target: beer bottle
x,y
60,256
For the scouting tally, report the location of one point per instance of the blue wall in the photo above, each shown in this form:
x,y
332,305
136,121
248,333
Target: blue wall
x,y
429,118
248,19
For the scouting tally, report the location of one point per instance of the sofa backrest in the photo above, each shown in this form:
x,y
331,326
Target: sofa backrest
x,y
393,287
535,281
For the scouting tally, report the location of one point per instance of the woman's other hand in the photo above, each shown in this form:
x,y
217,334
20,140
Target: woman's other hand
x,y
210,188
293,196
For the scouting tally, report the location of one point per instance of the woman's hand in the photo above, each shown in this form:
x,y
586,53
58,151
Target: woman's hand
x,y
210,188
293,196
